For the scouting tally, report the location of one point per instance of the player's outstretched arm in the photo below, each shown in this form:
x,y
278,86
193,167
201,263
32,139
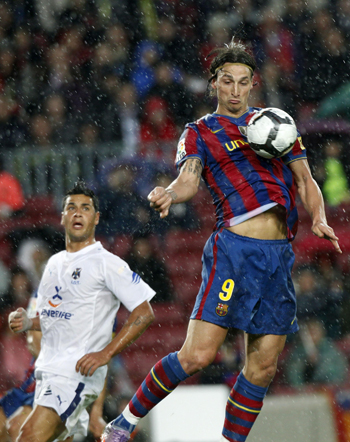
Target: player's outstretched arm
x,y
180,190
19,321
138,321
312,200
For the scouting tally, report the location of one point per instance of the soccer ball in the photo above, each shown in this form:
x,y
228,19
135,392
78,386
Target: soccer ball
x,y
271,132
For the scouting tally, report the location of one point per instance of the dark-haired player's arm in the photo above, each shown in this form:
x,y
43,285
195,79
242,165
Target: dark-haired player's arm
x,y
180,190
312,200
140,318
19,321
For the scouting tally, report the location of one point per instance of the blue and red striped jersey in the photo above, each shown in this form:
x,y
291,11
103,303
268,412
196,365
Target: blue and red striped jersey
x,y
238,179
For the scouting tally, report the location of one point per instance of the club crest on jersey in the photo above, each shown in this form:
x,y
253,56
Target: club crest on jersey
x,y
221,309
76,276
181,150
56,299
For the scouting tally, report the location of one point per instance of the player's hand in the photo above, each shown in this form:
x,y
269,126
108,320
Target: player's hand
x,y
19,321
322,230
160,200
88,364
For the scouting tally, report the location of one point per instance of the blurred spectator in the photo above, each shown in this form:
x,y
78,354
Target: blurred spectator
x,y
179,99
119,43
63,128
311,294
342,14
88,135
5,299
123,211
326,59
129,119
146,56
314,359
277,42
181,216
175,48
158,130
32,256
228,362
20,289
144,261
335,187
12,132
14,354
11,193
41,134
218,33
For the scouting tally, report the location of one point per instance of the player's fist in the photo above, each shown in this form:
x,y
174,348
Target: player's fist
x,y
19,321
160,200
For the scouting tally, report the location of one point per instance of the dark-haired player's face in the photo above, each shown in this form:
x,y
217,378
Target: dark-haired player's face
x,y
233,85
79,218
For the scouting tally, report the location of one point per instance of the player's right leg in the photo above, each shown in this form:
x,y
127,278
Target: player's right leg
x,y
199,350
15,421
42,425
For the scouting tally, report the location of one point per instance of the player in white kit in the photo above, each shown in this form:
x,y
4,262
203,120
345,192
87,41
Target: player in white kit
x,y
78,298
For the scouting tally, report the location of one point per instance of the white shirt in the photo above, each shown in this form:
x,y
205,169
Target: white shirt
x,y
78,298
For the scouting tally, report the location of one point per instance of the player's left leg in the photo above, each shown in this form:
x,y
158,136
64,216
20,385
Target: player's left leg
x,y
246,397
15,421
42,425
3,430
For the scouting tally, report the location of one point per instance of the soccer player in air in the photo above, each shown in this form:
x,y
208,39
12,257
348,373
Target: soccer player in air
x,y
78,297
247,261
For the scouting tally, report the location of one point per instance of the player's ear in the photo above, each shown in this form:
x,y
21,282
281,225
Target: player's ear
x,y
97,218
62,223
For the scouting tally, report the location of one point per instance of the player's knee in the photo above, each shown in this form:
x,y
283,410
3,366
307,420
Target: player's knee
x,y
266,371
197,360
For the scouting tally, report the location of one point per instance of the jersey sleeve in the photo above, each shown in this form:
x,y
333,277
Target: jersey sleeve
x,y
190,145
125,284
298,152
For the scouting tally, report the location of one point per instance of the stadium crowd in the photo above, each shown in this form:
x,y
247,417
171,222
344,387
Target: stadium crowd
x,y
127,73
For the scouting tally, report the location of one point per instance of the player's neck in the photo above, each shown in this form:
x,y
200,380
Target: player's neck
x,y
73,246
223,111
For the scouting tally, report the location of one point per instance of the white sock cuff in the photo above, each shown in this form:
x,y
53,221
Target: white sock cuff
x,y
134,420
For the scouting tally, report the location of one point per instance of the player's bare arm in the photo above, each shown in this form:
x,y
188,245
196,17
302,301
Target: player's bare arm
x,y
140,318
180,190
19,321
34,342
312,200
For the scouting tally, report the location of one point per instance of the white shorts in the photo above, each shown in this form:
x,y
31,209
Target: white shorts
x,y
69,398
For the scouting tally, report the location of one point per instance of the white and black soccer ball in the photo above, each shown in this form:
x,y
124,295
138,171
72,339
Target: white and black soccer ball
x,y
271,132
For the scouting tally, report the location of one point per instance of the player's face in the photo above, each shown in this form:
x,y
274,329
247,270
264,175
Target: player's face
x,y
79,218
233,85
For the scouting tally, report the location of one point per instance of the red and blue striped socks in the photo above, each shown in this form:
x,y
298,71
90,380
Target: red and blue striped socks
x,y
243,407
164,377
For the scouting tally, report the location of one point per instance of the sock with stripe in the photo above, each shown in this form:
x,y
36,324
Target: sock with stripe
x,y
164,377
243,407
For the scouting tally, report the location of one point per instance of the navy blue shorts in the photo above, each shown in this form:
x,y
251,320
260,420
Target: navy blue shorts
x,y
247,284
19,396
14,399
